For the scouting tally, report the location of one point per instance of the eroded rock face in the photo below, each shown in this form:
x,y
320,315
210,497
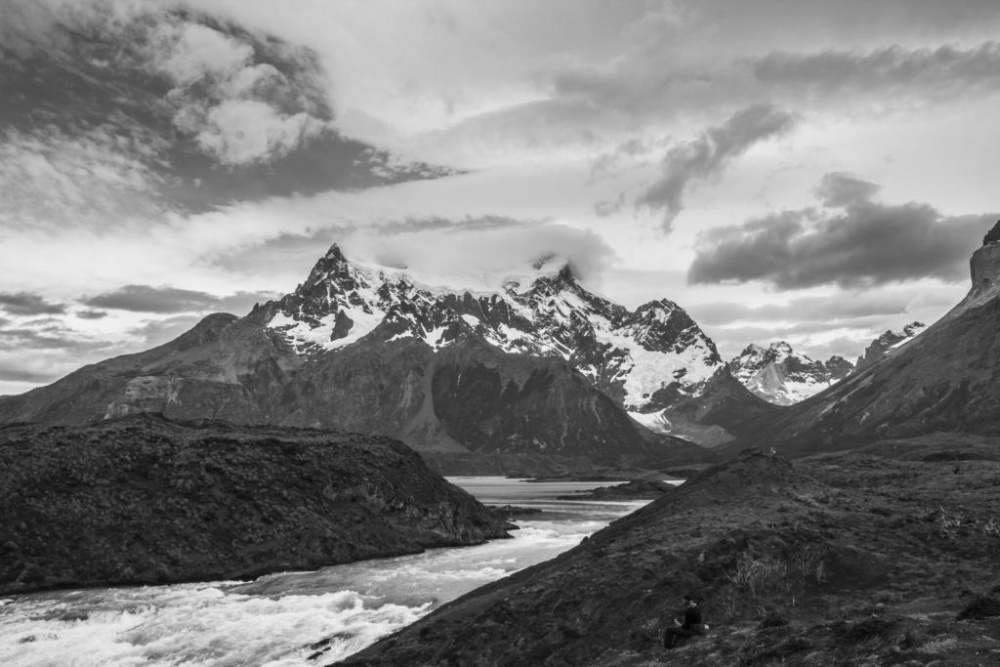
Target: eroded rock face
x,y
142,500
985,262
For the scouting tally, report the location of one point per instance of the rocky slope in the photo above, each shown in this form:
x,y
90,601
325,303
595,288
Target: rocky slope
x,y
889,340
142,500
540,367
851,559
778,374
945,379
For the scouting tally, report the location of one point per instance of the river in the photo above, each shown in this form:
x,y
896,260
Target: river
x,y
291,619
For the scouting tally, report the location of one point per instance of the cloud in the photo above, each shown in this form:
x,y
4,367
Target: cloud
x,y
244,131
709,154
943,72
15,374
852,241
192,51
26,303
156,332
147,299
490,248
91,314
230,96
52,179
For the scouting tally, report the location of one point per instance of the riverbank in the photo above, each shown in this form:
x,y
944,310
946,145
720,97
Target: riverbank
x,y
143,500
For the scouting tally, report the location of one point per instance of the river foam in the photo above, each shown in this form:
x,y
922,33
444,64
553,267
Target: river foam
x,y
283,619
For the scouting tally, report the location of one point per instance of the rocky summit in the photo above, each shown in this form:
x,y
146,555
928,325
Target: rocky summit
x,y
889,340
540,367
143,500
780,375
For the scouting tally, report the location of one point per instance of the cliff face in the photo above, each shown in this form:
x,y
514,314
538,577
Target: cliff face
x,y
142,500
985,266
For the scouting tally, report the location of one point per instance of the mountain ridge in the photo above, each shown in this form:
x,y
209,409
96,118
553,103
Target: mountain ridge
x,y
540,367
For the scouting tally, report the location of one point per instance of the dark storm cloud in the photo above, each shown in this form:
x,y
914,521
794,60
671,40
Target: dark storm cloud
x,y
947,68
847,306
156,332
15,374
853,242
147,299
91,314
709,154
26,303
48,338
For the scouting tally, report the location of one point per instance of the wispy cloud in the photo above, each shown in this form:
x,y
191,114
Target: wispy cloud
x,y
709,154
945,72
147,299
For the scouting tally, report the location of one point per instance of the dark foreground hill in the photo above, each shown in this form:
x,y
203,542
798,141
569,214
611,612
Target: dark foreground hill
x,y
846,559
142,500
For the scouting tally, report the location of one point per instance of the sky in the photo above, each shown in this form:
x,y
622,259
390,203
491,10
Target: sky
x,y
800,170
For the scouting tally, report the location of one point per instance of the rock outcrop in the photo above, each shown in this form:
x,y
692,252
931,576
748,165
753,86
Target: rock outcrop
x,y
143,500
985,262
889,340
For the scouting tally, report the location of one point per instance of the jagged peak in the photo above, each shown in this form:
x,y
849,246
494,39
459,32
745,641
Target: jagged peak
x,y
331,267
908,331
659,306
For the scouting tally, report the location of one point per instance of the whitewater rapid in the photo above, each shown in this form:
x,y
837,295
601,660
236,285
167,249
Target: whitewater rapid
x,y
298,619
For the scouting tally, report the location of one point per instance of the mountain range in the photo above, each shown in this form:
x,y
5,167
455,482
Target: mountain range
x,y
540,367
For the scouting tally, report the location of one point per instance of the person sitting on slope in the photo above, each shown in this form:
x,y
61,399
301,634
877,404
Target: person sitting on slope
x,y
687,624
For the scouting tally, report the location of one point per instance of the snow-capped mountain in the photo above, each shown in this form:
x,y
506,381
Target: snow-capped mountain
x,y
633,356
781,375
536,375
889,340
